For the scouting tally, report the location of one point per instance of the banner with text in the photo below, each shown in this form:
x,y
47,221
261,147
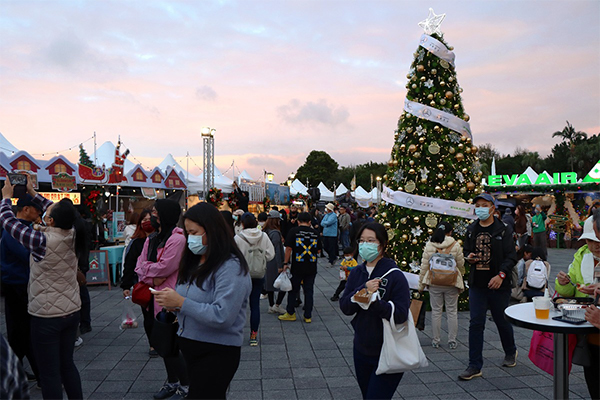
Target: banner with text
x,y
428,204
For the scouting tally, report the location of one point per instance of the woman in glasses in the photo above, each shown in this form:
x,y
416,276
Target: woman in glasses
x,y
368,328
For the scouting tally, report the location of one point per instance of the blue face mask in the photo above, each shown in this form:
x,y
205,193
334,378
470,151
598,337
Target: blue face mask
x,y
368,251
483,213
195,244
235,217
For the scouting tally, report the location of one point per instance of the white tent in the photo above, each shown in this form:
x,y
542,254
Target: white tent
x,y
362,197
326,194
105,155
374,195
341,189
170,161
196,183
6,147
244,175
298,187
531,174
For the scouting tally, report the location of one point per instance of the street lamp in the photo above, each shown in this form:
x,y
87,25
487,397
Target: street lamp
x,y
270,176
378,189
209,158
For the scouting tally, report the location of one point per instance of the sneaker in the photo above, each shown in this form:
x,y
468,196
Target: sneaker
x,y
83,329
287,317
264,296
78,341
253,338
272,310
435,345
152,353
168,390
510,361
335,297
469,374
180,393
452,345
307,320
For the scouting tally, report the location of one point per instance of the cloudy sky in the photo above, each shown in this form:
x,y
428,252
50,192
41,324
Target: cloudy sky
x,y
278,79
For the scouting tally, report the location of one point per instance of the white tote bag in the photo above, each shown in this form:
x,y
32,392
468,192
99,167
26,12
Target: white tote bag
x,y
401,350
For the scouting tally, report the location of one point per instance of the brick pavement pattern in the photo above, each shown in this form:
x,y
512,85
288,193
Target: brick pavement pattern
x,y
295,360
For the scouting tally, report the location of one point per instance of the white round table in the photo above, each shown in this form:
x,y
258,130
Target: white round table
x,y
523,315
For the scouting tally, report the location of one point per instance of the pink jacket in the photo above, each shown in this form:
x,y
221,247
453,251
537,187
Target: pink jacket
x,y
167,265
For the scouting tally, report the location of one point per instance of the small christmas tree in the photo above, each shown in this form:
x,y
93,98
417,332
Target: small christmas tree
x,y
84,159
432,155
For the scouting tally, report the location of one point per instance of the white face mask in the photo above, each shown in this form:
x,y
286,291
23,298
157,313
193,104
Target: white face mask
x,y
262,223
348,258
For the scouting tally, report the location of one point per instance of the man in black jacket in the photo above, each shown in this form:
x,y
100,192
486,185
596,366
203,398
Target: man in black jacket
x,y
490,250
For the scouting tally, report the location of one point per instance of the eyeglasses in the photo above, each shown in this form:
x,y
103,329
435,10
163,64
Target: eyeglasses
x,y
375,241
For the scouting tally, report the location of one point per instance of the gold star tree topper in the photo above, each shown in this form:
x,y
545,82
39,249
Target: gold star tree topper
x,y
432,23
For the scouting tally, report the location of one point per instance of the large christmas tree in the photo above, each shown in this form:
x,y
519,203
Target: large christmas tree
x,y
433,155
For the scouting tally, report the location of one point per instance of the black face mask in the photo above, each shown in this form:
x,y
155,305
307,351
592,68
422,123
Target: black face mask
x,y
154,222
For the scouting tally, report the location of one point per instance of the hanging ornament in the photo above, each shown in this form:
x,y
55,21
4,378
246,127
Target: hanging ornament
x,y
420,131
387,225
470,186
444,64
420,68
440,175
450,184
411,171
460,177
460,156
405,237
454,137
416,231
402,147
384,214
412,148
411,163
421,140
424,172
421,54
399,175
440,166
431,220
403,263
416,219
438,188
449,95
401,136
391,233
474,149
451,150
403,220
461,146
463,190
461,228
415,267
428,84
410,186
434,148
416,154
415,241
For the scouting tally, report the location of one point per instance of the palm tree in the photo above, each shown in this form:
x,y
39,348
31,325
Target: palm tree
x,y
571,136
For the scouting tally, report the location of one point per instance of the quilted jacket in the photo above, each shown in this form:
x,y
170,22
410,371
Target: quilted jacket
x,y
53,287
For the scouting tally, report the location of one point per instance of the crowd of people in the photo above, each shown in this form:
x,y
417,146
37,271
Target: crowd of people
x,y
207,266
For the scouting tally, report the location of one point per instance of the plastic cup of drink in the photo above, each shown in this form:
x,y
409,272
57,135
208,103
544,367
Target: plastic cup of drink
x,y
542,307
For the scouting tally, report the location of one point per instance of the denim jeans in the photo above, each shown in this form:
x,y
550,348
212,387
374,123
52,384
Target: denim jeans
x,y
345,238
254,301
374,386
86,307
308,282
53,344
480,299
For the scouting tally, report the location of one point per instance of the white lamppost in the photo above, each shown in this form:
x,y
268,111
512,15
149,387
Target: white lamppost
x,y
378,189
209,159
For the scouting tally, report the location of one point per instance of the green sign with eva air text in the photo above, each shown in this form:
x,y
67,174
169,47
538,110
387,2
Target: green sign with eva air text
x,y
523,179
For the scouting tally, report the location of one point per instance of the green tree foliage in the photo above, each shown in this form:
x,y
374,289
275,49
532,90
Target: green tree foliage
x,y
428,159
366,174
572,137
487,153
84,159
318,167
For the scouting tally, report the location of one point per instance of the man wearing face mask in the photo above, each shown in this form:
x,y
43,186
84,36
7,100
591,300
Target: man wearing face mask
x,y
490,250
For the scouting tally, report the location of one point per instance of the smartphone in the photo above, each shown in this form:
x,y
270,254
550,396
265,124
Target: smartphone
x,y
152,290
19,181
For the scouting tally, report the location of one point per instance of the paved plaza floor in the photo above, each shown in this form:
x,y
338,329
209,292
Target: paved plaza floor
x,y
295,360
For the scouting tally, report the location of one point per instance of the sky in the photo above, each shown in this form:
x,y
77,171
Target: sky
x,y
277,79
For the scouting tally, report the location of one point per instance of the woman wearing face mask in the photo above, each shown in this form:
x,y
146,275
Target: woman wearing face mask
x,y
131,255
211,297
54,300
368,328
237,218
157,266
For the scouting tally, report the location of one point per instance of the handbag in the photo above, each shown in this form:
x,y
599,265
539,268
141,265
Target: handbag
x,y
418,311
164,334
141,294
401,350
541,351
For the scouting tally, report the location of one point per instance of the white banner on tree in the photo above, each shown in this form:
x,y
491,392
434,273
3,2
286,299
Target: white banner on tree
x,y
438,48
441,117
428,204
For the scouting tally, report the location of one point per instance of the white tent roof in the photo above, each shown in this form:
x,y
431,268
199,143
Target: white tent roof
x,y
105,155
326,194
195,183
531,174
341,189
298,187
374,195
6,147
245,175
362,194
170,161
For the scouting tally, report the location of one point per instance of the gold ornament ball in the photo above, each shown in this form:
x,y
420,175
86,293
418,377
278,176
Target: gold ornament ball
x,y
432,103
450,184
412,148
385,177
403,220
443,102
411,163
460,156
409,129
391,163
440,175
468,140
423,79
417,154
405,236
414,241
434,71
442,83
450,48
436,128
387,225
408,76
451,79
423,180
474,149
463,189
402,147
421,139
420,68
395,162
449,95
451,150
384,214
470,186
403,263
430,96
477,178
411,171
468,150
430,231
416,219
463,138
464,170
480,173
414,86
466,117
461,146
456,106
440,166
438,189
460,90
